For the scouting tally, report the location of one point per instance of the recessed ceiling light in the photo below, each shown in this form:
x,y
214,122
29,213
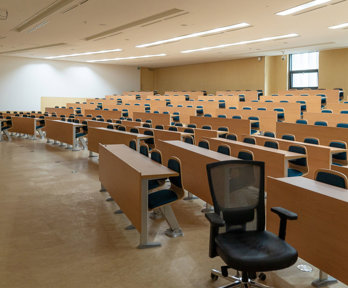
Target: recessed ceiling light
x,y
242,43
83,54
127,58
216,30
340,26
302,7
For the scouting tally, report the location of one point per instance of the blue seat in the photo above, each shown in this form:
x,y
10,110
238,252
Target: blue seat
x,y
342,125
144,149
192,125
311,140
207,115
172,128
206,127
300,162
133,144
280,113
236,117
161,127
224,149
339,159
269,134
203,144
294,173
245,155
246,108
320,123
344,112
231,137
301,121
188,139
222,116
271,144
249,140
288,137
326,111
330,177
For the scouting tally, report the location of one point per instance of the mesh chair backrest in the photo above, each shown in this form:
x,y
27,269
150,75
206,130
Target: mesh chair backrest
x,y
249,140
236,117
223,149
144,150
271,144
331,179
237,190
203,144
174,164
133,144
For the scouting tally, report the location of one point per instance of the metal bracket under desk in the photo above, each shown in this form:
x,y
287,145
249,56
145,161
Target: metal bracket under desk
x,y
144,243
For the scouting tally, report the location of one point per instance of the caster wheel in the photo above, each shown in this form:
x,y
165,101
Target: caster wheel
x,y
214,277
252,276
262,276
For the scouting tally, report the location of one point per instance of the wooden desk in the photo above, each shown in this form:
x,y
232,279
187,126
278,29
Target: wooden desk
x,y
313,103
157,119
324,134
60,111
168,135
62,131
331,118
99,135
24,125
125,173
194,160
321,232
318,156
105,114
276,161
1,132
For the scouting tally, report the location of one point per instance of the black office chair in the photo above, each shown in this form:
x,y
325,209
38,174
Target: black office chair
x,y
239,206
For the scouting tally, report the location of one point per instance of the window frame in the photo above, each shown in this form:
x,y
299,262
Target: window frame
x,y
305,71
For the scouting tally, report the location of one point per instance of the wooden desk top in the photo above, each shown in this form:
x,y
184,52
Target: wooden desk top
x,y
202,151
317,187
137,135
287,154
147,168
333,150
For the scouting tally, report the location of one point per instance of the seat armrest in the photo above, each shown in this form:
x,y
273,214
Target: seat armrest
x,y
284,216
215,219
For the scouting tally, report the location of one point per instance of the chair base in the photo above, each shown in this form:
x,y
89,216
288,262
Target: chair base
x,y
237,280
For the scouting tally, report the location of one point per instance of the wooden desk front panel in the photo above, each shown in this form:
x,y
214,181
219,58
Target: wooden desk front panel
x,y
123,183
331,119
165,135
317,156
202,134
105,114
94,124
60,131
274,162
98,136
336,107
157,119
185,112
23,125
313,103
324,134
60,111
321,232
268,119
236,126
332,96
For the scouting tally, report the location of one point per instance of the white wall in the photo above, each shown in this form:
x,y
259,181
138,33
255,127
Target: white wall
x,y
24,80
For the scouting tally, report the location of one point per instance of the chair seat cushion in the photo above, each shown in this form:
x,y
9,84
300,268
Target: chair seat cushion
x,y
81,134
255,251
161,197
294,172
337,164
153,184
253,131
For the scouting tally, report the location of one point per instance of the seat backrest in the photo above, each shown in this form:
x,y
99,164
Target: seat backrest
x,y
237,190
189,130
269,134
326,111
224,149
311,140
206,127
300,150
249,140
245,155
144,149
320,123
156,156
225,129
331,177
188,139
133,144
288,137
110,126
134,130
175,165
147,125
231,137
159,127
148,132
301,121
271,144
203,144
121,128
342,125
172,128
339,144
192,125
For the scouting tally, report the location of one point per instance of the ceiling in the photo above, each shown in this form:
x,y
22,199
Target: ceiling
x,y
76,26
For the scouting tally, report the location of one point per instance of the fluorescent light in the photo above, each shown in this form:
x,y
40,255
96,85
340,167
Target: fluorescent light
x,y
127,58
216,30
302,7
83,54
241,43
344,25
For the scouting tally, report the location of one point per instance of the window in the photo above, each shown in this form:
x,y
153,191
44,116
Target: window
x,y
304,70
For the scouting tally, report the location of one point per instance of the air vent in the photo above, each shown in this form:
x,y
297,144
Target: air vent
x,y
33,48
43,14
136,23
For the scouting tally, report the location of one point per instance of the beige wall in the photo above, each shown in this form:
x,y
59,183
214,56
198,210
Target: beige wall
x,y
333,69
233,74
276,74
147,79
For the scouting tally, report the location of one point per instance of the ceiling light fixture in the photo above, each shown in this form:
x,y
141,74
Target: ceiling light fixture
x,y
242,43
213,31
127,58
302,7
340,26
83,54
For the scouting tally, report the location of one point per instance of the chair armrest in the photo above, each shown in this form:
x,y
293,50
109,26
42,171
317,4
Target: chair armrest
x,y
215,219
283,213
284,216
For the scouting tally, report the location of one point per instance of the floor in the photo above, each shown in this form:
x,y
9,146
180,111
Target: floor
x,y
57,230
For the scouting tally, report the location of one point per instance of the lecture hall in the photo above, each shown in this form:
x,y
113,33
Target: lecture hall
x,y
167,144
